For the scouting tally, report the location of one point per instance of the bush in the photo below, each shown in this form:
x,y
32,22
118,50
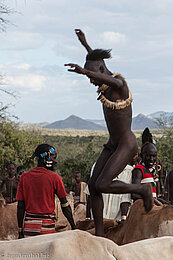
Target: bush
x,y
17,145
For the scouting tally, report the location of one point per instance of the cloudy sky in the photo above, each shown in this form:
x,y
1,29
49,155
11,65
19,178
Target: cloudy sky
x,y
41,39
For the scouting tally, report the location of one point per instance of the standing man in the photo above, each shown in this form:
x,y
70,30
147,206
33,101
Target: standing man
x,y
10,183
36,195
121,147
78,190
144,171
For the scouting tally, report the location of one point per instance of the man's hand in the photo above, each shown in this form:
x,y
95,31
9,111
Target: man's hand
x,y
20,234
82,39
76,69
80,35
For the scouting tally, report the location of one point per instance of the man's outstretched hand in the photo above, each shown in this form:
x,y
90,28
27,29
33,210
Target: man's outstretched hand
x,y
80,35
76,68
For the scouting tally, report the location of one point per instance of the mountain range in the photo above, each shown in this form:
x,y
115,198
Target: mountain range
x,y
75,122
139,122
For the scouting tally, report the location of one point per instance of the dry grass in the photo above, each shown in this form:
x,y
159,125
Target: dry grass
x,y
73,132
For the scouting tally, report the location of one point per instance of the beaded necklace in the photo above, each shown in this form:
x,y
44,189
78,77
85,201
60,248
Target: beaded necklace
x,y
119,103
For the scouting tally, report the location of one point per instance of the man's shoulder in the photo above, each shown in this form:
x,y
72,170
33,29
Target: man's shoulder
x,y
53,174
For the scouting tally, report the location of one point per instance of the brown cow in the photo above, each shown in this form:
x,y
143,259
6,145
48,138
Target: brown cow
x,y
62,223
138,226
78,214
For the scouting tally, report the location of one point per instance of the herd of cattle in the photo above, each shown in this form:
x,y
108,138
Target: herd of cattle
x,y
142,236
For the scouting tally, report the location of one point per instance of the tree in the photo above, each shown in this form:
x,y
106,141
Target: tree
x,y
81,162
165,142
17,145
4,109
4,12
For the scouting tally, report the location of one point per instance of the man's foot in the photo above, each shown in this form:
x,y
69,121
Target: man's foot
x,y
147,197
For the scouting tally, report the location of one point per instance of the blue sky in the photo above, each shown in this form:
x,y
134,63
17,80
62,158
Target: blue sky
x,y
41,39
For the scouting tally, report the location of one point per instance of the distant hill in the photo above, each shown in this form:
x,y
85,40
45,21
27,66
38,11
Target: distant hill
x,y
157,114
166,116
141,121
75,122
99,122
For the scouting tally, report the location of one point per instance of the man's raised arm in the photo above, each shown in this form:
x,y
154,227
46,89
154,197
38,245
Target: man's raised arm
x,y
82,39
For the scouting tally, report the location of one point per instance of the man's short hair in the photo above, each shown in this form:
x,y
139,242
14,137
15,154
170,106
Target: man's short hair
x,y
42,148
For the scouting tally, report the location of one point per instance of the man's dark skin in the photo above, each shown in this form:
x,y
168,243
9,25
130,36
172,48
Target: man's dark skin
x,y
124,206
66,210
110,164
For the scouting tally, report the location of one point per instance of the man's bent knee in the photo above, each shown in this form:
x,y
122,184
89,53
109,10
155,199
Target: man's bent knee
x,y
101,186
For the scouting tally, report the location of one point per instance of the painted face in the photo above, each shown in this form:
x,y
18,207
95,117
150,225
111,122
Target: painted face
x,y
149,155
49,159
53,157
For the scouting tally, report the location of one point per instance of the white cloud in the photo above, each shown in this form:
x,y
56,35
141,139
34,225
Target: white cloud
x,y
113,37
20,40
23,66
29,81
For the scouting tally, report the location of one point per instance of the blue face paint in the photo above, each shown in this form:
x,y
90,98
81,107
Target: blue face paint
x,y
48,160
52,150
43,154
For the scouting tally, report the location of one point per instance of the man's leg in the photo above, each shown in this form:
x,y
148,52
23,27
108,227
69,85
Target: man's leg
x,y
96,197
124,207
113,167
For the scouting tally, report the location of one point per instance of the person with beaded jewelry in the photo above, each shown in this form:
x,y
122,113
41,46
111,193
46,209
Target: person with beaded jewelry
x,y
144,171
36,196
121,147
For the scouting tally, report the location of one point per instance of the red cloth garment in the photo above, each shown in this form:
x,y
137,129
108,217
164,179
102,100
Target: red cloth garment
x,y
37,188
35,224
147,177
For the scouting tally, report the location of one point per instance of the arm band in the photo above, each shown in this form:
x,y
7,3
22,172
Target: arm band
x,y
64,205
